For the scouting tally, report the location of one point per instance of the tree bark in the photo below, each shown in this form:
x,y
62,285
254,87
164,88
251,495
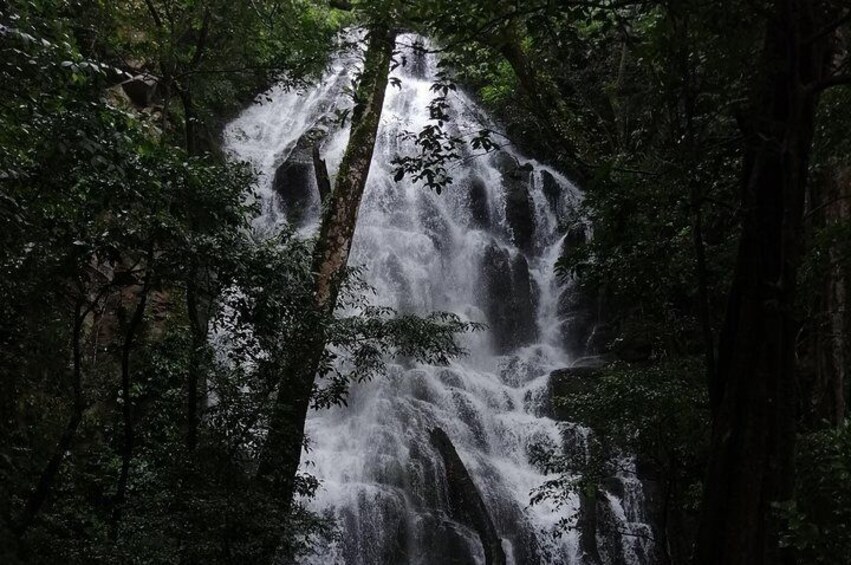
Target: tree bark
x,y
127,404
834,362
751,463
826,343
45,482
279,459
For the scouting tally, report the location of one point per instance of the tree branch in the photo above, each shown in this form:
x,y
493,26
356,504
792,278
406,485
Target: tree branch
x,y
154,15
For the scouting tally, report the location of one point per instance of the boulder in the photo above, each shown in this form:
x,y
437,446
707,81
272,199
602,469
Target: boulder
x,y
295,179
465,502
141,89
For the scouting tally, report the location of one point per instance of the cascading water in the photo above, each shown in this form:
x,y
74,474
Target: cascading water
x,y
484,249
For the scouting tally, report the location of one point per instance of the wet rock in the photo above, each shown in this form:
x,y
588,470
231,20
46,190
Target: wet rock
x,y
479,205
444,541
465,501
451,378
516,371
609,536
295,179
578,308
509,302
525,304
552,190
416,61
293,184
577,312
617,545
586,524
577,235
395,275
420,387
498,305
614,486
567,382
519,212
386,523
141,89
432,218
469,414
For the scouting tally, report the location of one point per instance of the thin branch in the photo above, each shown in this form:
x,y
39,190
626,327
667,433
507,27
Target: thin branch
x,y
154,15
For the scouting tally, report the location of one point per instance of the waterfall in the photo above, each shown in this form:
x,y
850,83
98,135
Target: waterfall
x,y
459,251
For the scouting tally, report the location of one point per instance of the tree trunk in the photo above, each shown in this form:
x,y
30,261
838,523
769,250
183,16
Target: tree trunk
x,y
751,461
835,363
127,404
825,387
281,453
198,311
45,482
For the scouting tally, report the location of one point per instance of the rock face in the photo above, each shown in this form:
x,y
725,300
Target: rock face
x,y
295,180
141,90
519,212
565,382
579,309
525,301
465,502
479,205
551,190
508,300
601,514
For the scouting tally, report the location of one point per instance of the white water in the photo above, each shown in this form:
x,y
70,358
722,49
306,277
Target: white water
x,y
379,473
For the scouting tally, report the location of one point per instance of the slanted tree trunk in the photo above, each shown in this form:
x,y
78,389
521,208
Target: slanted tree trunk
x,y
754,400
279,460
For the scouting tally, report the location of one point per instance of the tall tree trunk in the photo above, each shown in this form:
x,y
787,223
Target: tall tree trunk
x,y
824,385
835,362
751,462
127,414
196,306
195,378
45,482
281,453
